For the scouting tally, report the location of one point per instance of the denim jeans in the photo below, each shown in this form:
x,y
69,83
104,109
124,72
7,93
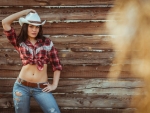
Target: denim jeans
x,y
22,95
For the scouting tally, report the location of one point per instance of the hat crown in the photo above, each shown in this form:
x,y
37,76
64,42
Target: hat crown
x,y
33,17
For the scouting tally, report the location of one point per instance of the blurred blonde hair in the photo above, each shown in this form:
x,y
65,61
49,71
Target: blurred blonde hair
x,y
130,23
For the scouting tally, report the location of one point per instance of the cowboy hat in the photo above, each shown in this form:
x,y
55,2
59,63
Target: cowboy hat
x,y
31,18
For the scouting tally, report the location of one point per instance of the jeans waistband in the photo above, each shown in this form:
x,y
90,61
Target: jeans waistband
x,y
30,84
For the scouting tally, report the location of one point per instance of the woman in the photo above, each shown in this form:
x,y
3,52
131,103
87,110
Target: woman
x,y
35,52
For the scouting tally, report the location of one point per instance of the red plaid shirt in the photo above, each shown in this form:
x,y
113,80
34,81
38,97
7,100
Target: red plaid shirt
x,y
41,53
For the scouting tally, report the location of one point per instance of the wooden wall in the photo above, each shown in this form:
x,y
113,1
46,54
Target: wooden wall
x,y
77,28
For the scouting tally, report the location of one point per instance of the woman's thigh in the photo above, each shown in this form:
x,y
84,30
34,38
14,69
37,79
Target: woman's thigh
x,y
21,98
47,102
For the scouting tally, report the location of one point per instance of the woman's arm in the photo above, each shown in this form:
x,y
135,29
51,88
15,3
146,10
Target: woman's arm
x,y
6,22
56,66
56,78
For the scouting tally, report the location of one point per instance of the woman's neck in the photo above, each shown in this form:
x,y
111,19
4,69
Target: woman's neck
x,y
32,40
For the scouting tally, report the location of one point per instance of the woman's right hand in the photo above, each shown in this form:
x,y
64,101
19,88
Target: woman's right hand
x,y
27,11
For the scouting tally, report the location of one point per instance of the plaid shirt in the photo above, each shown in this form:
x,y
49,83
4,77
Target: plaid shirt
x,y
41,53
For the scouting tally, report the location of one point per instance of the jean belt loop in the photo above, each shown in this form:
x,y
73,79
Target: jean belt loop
x,y
18,80
38,85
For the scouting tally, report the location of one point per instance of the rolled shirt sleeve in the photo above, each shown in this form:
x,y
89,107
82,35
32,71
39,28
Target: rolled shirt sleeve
x,y
54,59
11,35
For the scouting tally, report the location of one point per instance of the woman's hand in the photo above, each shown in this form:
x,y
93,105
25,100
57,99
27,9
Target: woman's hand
x,y
49,87
27,11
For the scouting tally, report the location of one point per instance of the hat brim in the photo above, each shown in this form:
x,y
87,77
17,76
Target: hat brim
x,y
23,20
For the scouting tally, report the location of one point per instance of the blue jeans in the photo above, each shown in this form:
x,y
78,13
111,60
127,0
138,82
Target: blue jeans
x,y
22,94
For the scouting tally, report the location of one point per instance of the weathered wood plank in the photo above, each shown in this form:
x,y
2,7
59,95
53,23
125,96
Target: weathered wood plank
x,y
76,110
72,47
72,28
71,68
64,61
72,74
76,47
54,2
9,53
67,61
89,86
71,71
88,83
75,43
80,100
61,14
73,39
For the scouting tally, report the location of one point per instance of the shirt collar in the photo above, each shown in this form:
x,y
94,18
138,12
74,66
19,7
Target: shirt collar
x,y
39,40
29,43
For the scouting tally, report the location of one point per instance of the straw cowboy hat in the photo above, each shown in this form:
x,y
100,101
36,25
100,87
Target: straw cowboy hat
x,y
31,18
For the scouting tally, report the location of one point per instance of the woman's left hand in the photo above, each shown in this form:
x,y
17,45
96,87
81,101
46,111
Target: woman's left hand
x,y
49,87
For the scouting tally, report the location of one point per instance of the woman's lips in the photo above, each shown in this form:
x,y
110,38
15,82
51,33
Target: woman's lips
x,y
34,33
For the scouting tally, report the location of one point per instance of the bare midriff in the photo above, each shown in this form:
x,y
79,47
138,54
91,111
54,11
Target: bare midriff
x,y
30,73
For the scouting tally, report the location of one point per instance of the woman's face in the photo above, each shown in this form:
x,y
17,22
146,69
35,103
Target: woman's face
x,y
33,30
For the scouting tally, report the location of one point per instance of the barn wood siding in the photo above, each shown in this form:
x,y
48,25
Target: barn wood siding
x,y
77,28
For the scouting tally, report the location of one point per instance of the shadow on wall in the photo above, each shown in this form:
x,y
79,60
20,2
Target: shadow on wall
x,y
131,26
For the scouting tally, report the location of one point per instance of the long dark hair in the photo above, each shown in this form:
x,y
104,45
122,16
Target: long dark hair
x,y
23,35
